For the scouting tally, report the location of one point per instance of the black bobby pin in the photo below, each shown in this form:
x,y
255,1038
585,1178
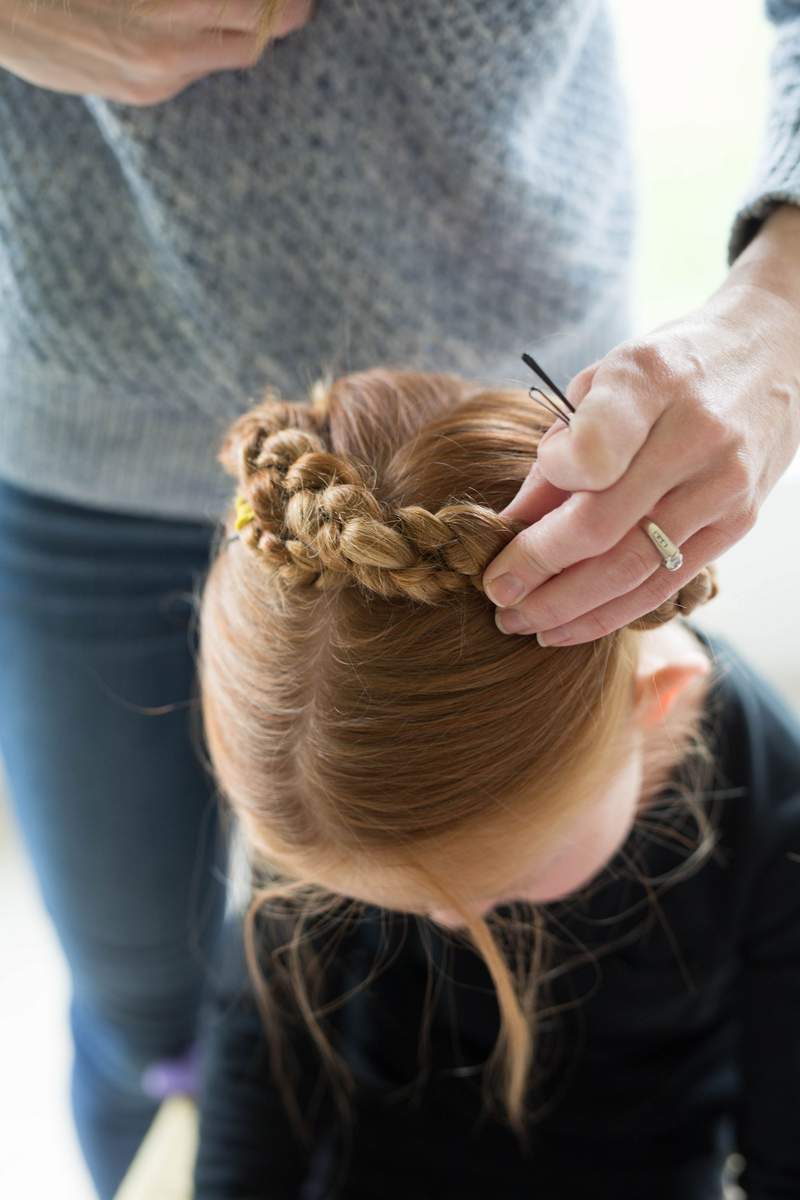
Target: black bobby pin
x,y
547,401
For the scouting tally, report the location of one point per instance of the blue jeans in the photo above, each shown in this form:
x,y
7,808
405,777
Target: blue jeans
x,y
101,746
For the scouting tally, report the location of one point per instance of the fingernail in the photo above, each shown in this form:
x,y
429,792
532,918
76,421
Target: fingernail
x,y
505,590
550,639
511,622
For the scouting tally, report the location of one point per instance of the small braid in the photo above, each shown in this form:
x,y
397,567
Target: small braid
x,y
243,439
699,590
317,523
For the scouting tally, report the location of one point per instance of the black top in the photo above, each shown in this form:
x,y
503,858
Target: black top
x,y
684,1045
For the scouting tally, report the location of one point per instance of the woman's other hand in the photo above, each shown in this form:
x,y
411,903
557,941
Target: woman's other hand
x,y
138,52
692,426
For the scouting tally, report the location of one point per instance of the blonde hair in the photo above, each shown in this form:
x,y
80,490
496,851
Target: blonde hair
x,y
361,709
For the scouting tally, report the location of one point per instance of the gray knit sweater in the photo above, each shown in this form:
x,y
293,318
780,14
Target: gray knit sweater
x,y
440,184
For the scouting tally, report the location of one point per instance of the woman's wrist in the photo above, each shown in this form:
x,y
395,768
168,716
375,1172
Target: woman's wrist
x,y
771,261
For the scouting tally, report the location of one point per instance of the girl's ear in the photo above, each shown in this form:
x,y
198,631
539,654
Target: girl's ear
x,y
658,685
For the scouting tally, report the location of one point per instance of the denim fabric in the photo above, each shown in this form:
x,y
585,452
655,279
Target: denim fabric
x,y
101,748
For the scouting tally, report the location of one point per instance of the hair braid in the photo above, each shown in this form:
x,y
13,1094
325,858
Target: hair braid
x,y
318,523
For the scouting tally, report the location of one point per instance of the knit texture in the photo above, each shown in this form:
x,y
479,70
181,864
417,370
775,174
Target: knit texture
x,y
429,185
776,176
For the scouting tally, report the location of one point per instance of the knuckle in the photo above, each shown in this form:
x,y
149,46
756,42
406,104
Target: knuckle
x,y
739,468
629,570
597,452
670,367
659,588
744,520
591,531
579,384
543,614
600,626
712,429
648,357
531,558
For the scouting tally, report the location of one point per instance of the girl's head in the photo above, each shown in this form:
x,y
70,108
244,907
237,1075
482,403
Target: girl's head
x,y
375,733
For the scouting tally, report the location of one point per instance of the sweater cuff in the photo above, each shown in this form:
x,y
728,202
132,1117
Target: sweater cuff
x,y
776,176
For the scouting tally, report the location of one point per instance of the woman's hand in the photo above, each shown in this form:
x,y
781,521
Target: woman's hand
x,y
691,425
135,51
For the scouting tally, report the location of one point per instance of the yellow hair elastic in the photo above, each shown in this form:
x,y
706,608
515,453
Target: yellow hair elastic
x,y
244,513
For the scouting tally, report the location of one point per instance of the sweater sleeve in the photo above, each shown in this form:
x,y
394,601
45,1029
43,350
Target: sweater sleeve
x,y
769,1115
248,1147
776,176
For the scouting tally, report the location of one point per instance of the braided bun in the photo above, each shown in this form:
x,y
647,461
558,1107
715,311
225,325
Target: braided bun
x,y
316,521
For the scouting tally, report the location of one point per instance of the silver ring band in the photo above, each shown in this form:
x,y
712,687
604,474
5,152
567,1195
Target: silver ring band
x,y
671,555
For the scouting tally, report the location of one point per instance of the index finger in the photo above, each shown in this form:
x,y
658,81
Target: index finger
x,y
534,555
586,524
586,461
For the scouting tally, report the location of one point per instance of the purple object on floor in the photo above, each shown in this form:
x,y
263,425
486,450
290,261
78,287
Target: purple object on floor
x,y
173,1076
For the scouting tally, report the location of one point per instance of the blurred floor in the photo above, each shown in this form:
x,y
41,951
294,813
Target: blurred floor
x,y
40,1157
